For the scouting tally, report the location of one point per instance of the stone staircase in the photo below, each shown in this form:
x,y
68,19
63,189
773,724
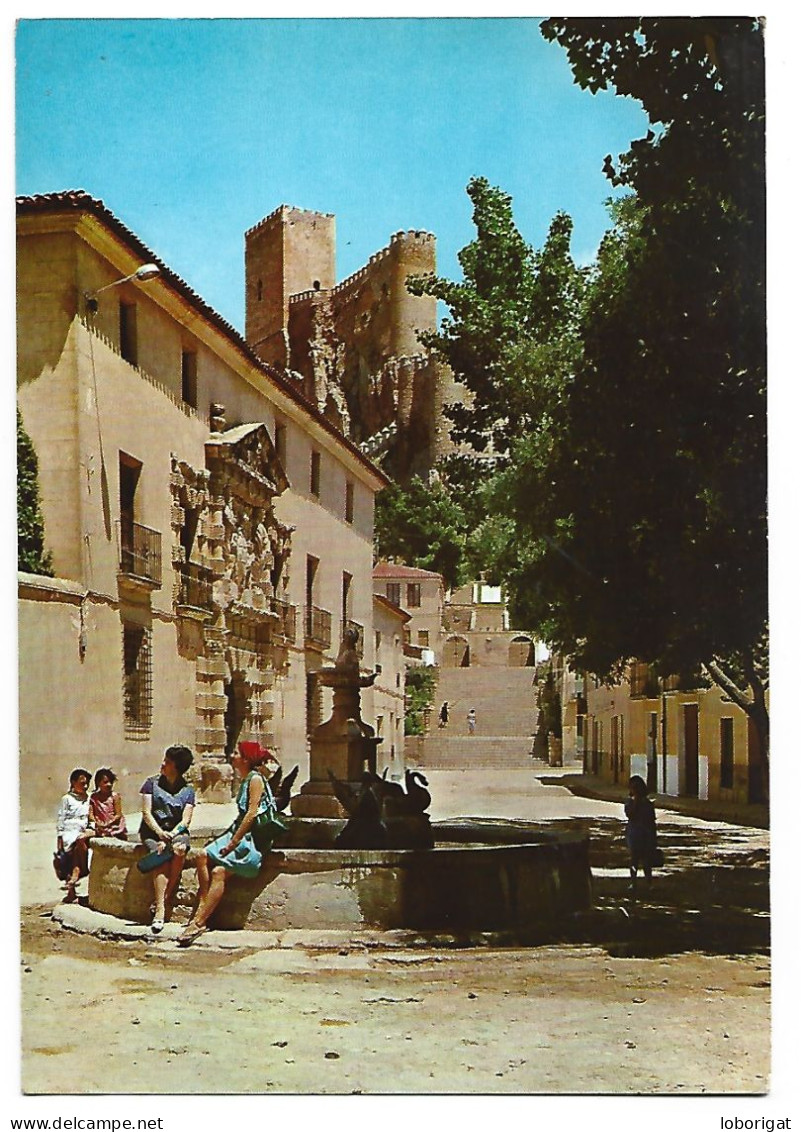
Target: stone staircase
x,y
506,712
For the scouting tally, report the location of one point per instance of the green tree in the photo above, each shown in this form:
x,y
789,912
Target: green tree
x,y
421,683
512,331
663,469
628,496
423,526
31,555
512,339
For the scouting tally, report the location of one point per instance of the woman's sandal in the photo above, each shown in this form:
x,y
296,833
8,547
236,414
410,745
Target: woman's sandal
x,y
190,934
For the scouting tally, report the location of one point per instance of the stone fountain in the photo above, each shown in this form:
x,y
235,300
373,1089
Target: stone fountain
x,y
360,853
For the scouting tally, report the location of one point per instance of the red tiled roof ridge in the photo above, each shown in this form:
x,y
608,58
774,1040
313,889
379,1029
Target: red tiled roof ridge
x,y
79,199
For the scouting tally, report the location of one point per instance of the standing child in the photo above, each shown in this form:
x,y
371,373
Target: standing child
x,y
471,721
640,830
105,807
73,832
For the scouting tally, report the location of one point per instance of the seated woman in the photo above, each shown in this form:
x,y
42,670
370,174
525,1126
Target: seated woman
x,y
73,832
105,807
233,852
167,805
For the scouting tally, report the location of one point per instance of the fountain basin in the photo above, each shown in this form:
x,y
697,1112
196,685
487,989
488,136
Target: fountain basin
x,y
482,875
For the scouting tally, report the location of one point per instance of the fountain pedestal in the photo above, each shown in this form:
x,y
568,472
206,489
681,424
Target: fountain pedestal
x,y
344,745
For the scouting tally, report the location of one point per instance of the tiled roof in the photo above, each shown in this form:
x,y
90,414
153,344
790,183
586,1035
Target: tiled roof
x,y
398,570
81,201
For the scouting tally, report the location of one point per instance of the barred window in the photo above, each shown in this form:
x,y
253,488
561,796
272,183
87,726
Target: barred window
x,y
137,682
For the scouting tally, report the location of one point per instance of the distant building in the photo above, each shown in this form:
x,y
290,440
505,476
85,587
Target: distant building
x,y
683,740
386,700
421,593
476,632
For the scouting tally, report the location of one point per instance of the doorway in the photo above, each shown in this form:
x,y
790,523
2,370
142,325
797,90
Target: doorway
x,y
236,710
691,749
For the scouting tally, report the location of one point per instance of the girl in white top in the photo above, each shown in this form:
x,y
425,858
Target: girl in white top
x,y
73,830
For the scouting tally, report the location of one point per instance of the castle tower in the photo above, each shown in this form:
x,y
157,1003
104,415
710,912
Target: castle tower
x,y
288,252
411,253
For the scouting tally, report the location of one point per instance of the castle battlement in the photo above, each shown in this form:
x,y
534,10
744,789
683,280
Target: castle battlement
x,y
315,293
413,236
276,216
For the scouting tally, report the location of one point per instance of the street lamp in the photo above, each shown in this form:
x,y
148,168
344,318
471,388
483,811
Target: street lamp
x,y
143,273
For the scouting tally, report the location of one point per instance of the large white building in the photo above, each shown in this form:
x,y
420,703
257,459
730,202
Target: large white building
x,y
210,530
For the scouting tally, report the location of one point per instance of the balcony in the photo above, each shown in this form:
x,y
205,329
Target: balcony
x,y
195,587
355,627
318,627
140,552
286,626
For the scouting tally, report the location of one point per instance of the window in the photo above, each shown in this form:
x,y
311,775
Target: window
x,y
128,332
393,592
130,471
422,638
137,682
413,595
727,753
315,473
348,502
280,443
189,378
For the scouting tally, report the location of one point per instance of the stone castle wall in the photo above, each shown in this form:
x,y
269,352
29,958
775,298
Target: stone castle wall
x,y
355,345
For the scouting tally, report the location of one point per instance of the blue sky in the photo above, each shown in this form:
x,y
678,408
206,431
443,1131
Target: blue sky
x,y
192,130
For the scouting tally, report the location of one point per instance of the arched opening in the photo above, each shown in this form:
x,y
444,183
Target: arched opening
x,y
521,653
456,653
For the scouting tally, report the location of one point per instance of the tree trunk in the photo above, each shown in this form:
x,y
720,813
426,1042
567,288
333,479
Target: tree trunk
x,y
753,704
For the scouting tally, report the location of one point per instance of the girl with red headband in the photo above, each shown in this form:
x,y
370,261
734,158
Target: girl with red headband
x,y
233,852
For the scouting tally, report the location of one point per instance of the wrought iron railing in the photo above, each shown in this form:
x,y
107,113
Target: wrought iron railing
x,y
195,586
286,626
318,626
140,551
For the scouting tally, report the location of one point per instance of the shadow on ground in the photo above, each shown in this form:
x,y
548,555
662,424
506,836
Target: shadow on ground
x,y
712,894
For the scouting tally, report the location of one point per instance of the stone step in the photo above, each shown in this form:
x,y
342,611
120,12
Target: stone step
x,y
504,700
499,751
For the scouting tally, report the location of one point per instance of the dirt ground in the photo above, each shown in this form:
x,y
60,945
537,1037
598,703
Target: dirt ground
x,y
668,995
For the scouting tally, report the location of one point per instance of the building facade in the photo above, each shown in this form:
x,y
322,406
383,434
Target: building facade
x,y
682,739
210,529
421,593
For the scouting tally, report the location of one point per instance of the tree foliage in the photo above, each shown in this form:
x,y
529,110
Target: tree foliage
x,y
666,504
626,405
512,328
31,554
421,684
422,525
